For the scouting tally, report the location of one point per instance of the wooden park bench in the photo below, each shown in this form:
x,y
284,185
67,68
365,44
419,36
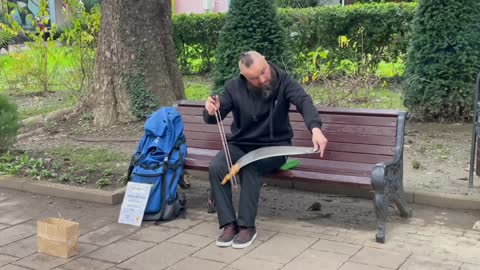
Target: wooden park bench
x,y
364,151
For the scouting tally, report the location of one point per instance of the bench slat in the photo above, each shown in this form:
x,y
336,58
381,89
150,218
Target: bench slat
x,y
325,166
383,121
316,177
337,167
329,155
330,128
350,138
351,157
332,137
324,110
194,115
332,146
364,181
351,148
300,126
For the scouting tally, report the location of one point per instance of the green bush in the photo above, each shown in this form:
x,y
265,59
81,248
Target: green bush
x,y
196,37
90,4
381,1
8,122
297,3
249,25
443,60
5,38
379,30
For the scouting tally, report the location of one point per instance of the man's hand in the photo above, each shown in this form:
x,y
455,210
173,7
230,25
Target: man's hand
x,y
319,141
212,105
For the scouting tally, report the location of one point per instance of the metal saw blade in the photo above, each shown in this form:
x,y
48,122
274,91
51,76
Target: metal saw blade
x,y
273,151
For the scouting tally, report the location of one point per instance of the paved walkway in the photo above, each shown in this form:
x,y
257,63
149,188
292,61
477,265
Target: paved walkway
x,y
434,239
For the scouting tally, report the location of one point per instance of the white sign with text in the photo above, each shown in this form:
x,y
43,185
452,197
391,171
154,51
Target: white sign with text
x,y
134,203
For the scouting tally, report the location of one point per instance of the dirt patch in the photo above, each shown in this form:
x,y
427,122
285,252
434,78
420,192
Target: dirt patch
x,y
437,158
38,103
90,167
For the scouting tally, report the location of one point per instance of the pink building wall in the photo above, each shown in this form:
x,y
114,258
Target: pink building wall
x,y
196,6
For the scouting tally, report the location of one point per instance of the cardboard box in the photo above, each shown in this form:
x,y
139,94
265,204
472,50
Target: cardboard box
x,y
57,237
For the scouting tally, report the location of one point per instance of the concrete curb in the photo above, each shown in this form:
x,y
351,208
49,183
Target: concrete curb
x,y
450,201
63,191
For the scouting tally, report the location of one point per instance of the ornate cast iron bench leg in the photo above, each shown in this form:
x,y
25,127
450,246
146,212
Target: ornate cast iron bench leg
x,y
379,202
397,196
387,182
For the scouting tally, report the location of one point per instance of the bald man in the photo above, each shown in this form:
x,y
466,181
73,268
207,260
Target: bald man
x,y
259,99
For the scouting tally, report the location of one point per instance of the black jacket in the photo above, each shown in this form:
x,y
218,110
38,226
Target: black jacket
x,y
264,121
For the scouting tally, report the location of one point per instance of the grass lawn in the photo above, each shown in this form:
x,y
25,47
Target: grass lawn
x,y
197,88
88,156
21,72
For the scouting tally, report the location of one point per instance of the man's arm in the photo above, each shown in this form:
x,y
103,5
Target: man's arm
x,y
296,95
304,103
225,108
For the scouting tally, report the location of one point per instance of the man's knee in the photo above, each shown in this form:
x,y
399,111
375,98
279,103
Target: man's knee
x,y
250,173
218,164
269,165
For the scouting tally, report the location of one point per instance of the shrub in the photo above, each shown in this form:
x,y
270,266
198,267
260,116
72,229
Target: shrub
x,y
443,60
380,1
297,3
8,122
382,31
81,36
90,4
5,38
196,37
378,30
249,25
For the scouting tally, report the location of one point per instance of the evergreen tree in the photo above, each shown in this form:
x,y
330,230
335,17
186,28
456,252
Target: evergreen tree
x,y
443,59
249,25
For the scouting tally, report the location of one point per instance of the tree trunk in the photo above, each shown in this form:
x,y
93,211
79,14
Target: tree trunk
x,y
135,67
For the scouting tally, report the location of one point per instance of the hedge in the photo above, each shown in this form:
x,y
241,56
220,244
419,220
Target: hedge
x,y
443,60
196,37
381,30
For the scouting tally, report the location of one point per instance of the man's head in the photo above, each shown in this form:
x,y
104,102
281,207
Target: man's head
x,y
256,70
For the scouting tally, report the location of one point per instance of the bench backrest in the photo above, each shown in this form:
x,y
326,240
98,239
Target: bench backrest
x,y
354,135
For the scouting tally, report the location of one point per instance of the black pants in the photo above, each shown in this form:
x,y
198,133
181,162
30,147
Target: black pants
x,y
248,178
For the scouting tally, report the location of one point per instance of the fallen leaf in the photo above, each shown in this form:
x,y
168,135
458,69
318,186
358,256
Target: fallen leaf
x,y
316,206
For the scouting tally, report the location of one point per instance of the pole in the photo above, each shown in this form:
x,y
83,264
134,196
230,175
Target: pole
x,y
475,130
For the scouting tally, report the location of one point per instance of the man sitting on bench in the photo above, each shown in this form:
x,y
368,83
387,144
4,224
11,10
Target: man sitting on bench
x,y
259,100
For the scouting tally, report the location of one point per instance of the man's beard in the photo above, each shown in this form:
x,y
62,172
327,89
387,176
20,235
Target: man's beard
x,y
265,91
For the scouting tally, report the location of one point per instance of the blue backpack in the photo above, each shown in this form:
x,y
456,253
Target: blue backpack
x,y
159,161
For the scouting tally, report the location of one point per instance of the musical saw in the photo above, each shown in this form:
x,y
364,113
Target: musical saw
x,y
266,152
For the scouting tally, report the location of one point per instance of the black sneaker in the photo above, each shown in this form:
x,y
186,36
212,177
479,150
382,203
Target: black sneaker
x,y
226,238
244,238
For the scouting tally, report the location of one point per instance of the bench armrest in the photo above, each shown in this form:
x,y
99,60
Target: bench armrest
x,y
390,174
